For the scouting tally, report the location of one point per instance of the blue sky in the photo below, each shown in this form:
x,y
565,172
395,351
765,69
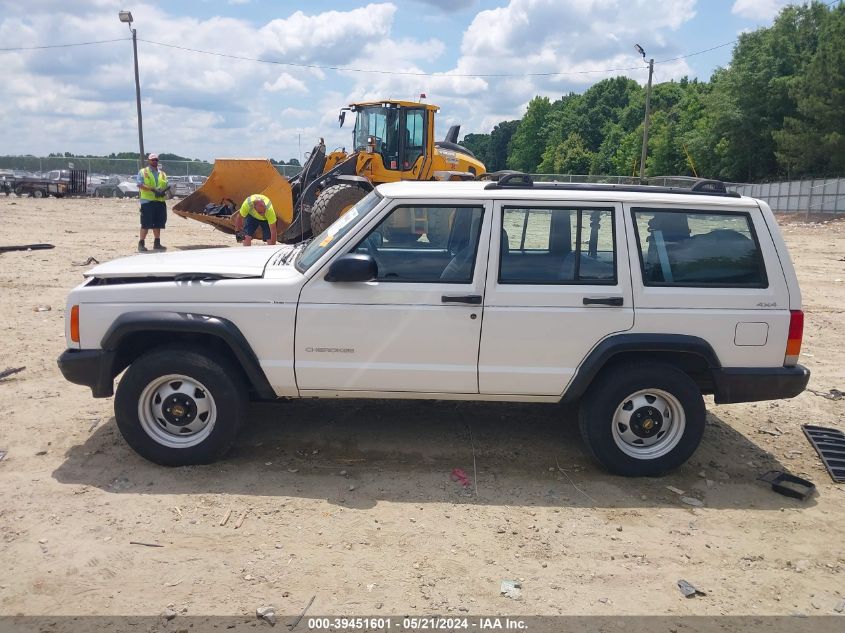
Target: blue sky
x,y
81,99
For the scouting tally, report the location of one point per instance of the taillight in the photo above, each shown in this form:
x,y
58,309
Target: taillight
x,y
793,341
74,324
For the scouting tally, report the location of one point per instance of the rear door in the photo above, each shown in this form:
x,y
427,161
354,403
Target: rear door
x,y
414,329
558,283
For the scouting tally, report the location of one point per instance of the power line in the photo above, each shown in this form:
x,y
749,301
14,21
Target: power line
x,y
35,48
706,50
382,72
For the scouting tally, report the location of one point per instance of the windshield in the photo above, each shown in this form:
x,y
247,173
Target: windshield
x,y
324,241
383,125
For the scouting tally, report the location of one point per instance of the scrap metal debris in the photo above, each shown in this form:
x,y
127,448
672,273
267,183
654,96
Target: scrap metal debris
x,y
268,614
689,590
830,445
832,394
302,615
90,260
26,247
511,589
10,371
788,485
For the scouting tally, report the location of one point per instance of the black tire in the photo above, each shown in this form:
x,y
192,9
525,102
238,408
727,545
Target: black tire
x,y
38,193
333,202
207,378
677,398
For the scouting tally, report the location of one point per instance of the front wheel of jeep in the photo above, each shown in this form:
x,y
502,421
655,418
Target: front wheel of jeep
x,y
642,418
178,407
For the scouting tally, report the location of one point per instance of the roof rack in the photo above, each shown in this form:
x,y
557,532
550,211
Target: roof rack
x,y
507,179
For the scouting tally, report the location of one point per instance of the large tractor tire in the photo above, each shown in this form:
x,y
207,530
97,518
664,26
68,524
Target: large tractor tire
x,y
333,203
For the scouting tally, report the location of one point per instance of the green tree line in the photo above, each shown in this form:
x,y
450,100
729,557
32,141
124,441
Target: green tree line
x,y
777,111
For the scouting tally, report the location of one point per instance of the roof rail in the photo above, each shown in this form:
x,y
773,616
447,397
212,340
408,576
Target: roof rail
x,y
508,179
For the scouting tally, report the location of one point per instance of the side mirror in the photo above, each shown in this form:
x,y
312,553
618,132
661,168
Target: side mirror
x,y
341,117
353,267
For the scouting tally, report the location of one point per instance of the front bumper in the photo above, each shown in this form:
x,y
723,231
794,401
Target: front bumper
x,y
759,383
90,367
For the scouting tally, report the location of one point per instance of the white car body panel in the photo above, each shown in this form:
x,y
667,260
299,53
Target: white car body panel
x,y
388,336
315,338
535,336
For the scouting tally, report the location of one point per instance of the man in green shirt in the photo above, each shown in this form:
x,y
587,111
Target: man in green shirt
x,y
257,211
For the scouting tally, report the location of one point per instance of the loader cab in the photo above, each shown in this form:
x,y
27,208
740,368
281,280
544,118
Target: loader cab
x,y
401,133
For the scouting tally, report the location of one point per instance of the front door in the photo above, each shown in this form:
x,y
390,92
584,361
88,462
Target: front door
x,y
416,328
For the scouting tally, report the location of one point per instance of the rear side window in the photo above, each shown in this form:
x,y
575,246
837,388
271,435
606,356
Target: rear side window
x,y
698,249
557,246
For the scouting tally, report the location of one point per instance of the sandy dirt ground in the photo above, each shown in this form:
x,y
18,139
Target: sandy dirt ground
x,y
352,502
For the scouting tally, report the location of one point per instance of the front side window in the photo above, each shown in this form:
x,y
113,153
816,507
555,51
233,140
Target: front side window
x,y
340,227
698,249
557,246
425,244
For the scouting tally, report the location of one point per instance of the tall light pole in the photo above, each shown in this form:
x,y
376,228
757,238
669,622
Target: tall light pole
x,y
126,16
647,108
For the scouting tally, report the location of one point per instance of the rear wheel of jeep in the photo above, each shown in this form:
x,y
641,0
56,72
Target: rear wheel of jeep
x,y
178,406
642,418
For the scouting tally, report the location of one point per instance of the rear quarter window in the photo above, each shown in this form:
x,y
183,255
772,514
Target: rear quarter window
x,y
691,248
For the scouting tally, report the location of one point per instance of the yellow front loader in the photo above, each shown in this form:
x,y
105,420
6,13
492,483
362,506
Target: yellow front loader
x,y
392,140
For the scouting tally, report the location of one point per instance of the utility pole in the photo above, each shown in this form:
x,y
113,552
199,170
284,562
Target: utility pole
x,y
126,16
647,110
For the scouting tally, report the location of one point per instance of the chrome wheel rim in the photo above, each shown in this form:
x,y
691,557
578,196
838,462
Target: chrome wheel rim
x,y
648,424
177,411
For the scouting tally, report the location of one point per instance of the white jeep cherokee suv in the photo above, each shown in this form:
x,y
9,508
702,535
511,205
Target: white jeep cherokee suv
x,y
632,301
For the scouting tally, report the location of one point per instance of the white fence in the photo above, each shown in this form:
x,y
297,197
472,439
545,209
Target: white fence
x,y
815,196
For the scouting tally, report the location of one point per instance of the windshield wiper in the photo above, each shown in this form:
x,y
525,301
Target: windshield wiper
x,y
198,277
296,250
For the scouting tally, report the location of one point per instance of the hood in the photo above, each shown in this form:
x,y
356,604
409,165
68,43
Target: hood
x,y
231,262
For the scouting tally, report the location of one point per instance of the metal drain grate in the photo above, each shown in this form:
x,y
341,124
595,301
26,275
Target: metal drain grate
x,y
830,445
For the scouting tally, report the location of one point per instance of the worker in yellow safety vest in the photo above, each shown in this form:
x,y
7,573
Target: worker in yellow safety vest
x,y
152,189
257,212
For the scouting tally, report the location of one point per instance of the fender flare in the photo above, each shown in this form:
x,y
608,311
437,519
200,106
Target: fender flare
x,y
190,323
358,181
605,350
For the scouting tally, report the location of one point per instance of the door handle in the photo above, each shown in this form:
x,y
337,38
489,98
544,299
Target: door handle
x,y
603,301
472,299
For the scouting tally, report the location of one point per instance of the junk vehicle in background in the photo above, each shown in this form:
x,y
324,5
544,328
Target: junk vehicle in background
x,y
392,141
59,183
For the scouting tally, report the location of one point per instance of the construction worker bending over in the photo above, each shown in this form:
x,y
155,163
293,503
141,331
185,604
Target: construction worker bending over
x,y
259,212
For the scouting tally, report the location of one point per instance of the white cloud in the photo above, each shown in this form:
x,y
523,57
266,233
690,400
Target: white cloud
x,y
538,36
758,9
285,82
83,99
193,104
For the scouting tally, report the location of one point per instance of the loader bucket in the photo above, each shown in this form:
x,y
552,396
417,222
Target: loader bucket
x,y
238,178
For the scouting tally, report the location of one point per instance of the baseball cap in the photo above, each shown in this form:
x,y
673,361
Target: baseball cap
x,y
152,157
